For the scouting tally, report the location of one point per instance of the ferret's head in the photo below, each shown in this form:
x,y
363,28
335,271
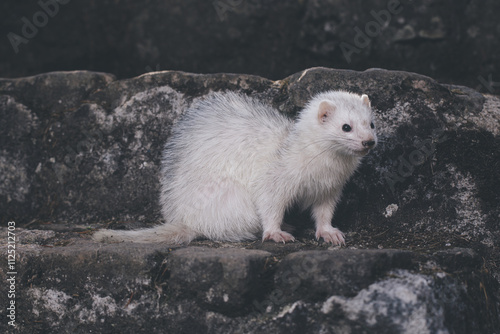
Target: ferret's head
x,y
346,121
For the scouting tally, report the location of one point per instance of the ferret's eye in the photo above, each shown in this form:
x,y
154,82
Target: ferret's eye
x,y
372,125
346,128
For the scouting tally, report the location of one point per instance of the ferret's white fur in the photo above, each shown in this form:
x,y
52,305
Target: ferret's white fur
x,y
234,165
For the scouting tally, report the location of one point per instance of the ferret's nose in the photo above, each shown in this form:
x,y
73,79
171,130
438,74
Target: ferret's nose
x,y
368,143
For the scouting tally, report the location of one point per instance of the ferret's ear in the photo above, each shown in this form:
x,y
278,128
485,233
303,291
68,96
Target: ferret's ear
x,y
366,100
326,110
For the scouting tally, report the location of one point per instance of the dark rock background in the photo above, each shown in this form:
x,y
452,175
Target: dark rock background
x,y
451,41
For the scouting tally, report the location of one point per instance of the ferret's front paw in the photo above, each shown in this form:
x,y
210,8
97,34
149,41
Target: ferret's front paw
x,y
331,234
277,236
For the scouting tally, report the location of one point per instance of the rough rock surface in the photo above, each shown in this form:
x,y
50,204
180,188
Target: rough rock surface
x,y
81,150
453,41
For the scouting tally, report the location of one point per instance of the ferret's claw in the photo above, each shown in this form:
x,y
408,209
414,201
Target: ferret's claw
x,y
332,235
278,236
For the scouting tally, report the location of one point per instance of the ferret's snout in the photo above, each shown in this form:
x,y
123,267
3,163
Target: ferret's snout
x,y
368,143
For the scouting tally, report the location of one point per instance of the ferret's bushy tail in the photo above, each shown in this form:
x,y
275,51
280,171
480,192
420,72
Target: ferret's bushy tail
x,y
166,233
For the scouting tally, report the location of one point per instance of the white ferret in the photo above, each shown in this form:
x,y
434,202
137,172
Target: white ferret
x,y
234,165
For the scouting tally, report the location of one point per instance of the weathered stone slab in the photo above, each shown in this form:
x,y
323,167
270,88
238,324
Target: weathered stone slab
x,y
75,285
64,288
313,275
224,279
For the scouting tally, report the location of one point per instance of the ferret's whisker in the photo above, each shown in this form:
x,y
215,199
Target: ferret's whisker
x,y
317,155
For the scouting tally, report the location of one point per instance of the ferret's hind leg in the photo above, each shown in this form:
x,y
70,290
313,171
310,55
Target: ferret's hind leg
x,y
223,210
